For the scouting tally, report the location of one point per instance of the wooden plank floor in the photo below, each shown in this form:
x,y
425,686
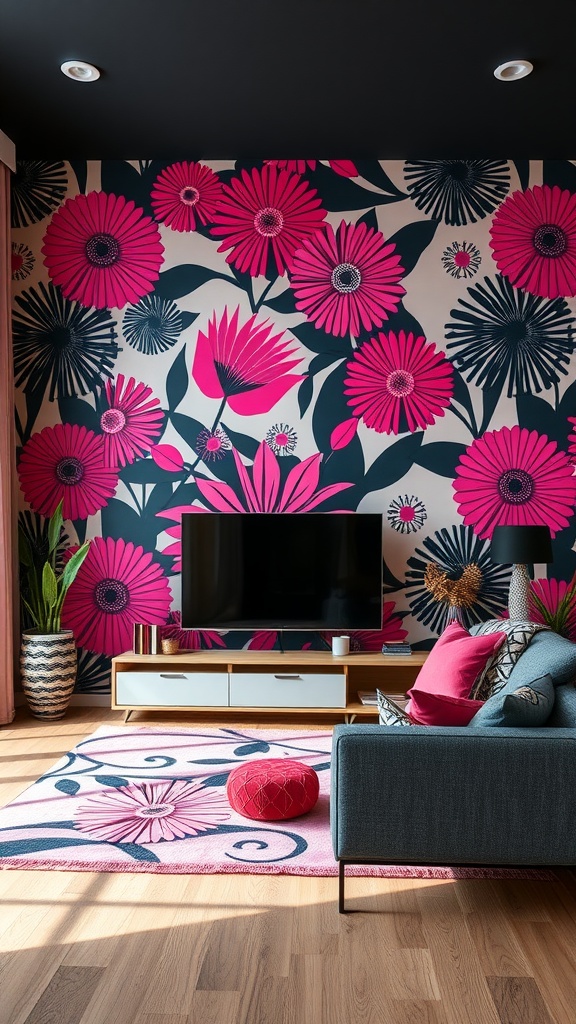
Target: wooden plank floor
x,y
82,948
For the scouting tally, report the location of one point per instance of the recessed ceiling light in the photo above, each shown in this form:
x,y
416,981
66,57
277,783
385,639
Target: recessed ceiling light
x,y
80,71
512,70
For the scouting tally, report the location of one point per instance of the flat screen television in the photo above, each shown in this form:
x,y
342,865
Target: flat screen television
x,y
275,571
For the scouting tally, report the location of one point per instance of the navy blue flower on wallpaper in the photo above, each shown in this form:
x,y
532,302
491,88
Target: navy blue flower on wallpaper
x,y
264,337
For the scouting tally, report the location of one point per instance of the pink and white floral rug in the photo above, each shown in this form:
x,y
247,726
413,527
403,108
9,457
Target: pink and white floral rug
x,y
153,799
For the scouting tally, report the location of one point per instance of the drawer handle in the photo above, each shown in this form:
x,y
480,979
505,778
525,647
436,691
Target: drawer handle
x,y
172,675
288,677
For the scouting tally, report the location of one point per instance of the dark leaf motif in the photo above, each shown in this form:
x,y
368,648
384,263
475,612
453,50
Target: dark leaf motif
x,y
305,392
567,406
372,171
318,341
186,278
137,852
490,399
177,381
393,463
561,173
80,168
79,413
341,194
68,786
187,318
80,526
391,582
331,408
211,760
145,471
217,780
16,847
258,747
523,169
158,499
184,494
412,240
120,178
461,393
370,220
120,521
111,781
243,443
537,414
440,457
187,427
283,303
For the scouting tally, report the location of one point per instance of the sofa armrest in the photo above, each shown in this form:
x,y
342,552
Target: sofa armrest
x,y
454,796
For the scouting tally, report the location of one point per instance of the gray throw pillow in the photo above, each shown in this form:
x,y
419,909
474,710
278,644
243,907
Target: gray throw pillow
x,y
519,707
550,654
390,713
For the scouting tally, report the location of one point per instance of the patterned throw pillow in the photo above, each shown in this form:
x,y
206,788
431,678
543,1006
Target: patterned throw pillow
x,y
498,669
391,713
522,707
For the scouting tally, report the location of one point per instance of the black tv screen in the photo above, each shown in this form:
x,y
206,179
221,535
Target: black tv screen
x,y
317,571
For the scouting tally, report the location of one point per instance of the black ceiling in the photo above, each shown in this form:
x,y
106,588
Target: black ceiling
x,y
272,79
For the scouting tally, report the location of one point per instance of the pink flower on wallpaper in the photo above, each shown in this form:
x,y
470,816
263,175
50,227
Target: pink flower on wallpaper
x,y
343,167
372,640
117,585
398,383
260,490
244,363
552,592
102,250
533,238
183,192
67,462
347,281
152,812
131,422
514,477
190,639
266,214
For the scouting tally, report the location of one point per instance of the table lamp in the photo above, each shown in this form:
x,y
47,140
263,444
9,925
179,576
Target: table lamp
x,y
520,546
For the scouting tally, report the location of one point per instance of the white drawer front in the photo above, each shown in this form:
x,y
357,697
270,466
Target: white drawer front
x,y
287,690
172,689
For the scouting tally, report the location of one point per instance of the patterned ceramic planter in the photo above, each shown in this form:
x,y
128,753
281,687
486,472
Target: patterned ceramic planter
x,y
48,663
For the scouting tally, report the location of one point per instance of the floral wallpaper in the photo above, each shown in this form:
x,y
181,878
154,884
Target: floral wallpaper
x,y
294,336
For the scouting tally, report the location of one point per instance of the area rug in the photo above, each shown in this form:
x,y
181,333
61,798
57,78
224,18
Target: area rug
x,y
153,799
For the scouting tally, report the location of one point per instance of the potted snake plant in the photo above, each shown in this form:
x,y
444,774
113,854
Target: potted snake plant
x,y
48,657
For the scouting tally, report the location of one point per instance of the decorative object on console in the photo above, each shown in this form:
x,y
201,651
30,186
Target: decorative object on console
x,y
520,546
169,645
274,789
455,593
48,656
340,646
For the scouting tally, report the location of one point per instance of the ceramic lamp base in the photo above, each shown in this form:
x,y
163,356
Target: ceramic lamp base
x,y
518,594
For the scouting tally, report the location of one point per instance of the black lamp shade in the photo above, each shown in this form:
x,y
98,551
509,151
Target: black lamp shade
x,y
521,545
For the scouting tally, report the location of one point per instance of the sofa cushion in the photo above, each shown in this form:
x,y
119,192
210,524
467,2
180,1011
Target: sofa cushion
x,y
440,708
550,654
390,713
456,662
518,635
517,707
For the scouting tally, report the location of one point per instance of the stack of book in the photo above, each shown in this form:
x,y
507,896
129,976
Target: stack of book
x,y
398,648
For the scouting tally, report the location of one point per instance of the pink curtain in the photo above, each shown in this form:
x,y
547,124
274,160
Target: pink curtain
x,y
9,624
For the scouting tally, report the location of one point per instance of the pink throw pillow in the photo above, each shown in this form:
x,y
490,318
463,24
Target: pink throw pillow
x,y
440,709
456,661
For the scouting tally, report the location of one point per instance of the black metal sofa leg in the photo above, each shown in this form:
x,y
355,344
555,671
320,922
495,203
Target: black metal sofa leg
x,y
341,878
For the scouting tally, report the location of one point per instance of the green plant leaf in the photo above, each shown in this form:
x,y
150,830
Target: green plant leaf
x,y
72,566
55,527
49,586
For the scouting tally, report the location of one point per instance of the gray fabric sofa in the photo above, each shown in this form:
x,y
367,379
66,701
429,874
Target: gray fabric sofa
x,y
454,796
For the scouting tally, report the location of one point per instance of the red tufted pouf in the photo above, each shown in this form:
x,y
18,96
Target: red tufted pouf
x,y
272,790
